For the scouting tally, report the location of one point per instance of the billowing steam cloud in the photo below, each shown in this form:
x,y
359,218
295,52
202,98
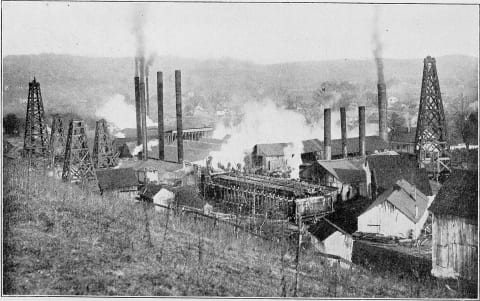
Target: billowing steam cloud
x,y
119,113
266,122
263,123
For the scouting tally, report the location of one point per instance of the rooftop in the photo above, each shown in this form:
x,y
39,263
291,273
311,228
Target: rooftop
x,y
405,197
403,135
388,169
372,144
458,195
277,149
345,217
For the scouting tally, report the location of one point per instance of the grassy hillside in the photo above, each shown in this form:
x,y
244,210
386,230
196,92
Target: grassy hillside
x,y
60,240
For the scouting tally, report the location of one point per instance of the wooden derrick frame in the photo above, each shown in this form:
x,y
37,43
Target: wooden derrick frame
x,y
431,134
36,135
431,146
78,165
104,155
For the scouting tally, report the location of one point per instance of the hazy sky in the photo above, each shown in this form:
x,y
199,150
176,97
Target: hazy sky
x,y
262,33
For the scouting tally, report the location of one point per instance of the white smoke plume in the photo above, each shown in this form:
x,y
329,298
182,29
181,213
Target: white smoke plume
x,y
150,144
264,122
119,114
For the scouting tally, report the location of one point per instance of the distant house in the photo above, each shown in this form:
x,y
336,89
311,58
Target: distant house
x,y
348,175
399,211
333,234
402,139
271,156
455,227
157,194
156,171
119,180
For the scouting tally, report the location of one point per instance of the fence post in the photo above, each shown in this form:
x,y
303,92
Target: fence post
x,y
297,259
200,250
165,232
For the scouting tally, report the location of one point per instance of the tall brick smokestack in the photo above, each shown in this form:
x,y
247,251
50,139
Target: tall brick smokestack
x,y
161,137
148,96
137,110
327,134
381,87
382,110
143,111
178,98
343,124
361,130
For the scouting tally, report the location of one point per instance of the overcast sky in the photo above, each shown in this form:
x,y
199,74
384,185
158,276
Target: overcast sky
x,y
262,33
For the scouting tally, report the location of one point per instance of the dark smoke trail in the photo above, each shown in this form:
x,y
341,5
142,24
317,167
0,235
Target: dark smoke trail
x,y
139,32
377,51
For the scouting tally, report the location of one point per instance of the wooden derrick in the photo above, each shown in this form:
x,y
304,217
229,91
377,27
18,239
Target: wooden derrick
x,y
78,165
431,146
104,155
36,136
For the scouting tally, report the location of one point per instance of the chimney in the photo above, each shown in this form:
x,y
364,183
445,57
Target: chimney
x,y
143,111
343,124
327,134
382,110
361,130
137,110
148,96
161,136
178,98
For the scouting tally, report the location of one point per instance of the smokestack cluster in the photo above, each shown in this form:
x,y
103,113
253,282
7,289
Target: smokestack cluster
x,y
343,125
327,134
178,101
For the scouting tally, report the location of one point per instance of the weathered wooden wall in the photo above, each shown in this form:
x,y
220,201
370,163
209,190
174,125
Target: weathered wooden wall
x,y
454,247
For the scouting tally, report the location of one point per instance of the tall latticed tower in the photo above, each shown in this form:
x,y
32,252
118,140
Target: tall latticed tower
x,y
104,155
36,136
78,165
431,135
57,140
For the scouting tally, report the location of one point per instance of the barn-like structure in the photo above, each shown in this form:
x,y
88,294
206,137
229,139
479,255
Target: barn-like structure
x,y
455,227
